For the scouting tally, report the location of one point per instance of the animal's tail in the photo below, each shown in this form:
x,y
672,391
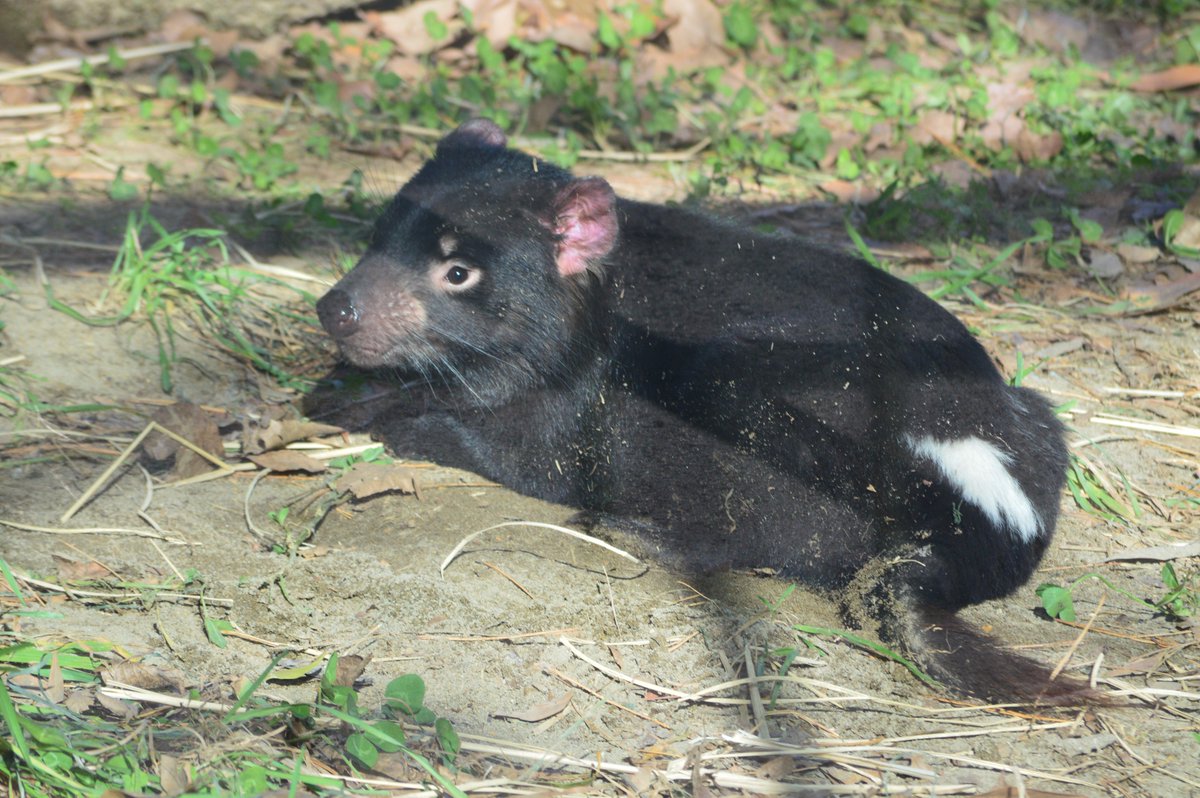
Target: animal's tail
x,y
959,656
980,510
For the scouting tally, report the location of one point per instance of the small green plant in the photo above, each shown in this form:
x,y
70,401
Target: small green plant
x,y
404,698
1062,253
1180,601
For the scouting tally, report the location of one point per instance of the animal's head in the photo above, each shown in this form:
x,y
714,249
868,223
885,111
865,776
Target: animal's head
x,y
481,270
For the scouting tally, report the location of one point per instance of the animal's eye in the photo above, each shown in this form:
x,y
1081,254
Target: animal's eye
x,y
457,275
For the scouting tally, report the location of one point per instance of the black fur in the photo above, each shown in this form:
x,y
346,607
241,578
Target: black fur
x,y
749,399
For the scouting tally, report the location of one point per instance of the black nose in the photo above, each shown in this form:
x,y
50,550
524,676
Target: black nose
x,y
337,313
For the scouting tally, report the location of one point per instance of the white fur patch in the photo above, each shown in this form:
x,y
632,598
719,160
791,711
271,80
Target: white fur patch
x,y
978,470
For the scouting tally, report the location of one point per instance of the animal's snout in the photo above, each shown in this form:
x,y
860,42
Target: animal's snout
x,y
338,313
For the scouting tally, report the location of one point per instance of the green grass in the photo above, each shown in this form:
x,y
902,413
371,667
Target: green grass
x,y
56,740
161,276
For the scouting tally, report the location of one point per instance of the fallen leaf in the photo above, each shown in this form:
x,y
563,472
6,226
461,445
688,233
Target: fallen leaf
x,y
1150,298
880,136
185,26
1132,253
1005,126
958,174
847,191
193,424
288,460
776,768
55,690
496,20
122,709
936,125
277,433
1188,234
1057,31
1031,146
173,774
538,711
147,677
79,701
75,570
1177,77
407,29
1105,265
368,479
1146,664
349,668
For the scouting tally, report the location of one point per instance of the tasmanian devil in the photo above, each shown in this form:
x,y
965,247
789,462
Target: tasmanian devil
x,y
745,398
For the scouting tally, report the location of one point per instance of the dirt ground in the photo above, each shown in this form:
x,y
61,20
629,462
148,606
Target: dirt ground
x,y
527,621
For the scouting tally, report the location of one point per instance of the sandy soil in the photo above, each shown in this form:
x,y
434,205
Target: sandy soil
x,y
526,617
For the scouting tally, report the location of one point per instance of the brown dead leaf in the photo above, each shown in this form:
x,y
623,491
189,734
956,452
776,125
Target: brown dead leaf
x,y
777,768
56,690
288,460
1006,126
1188,234
936,125
122,709
1057,31
193,424
1150,298
1031,146
1132,253
959,174
845,50
76,570
1177,77
1105,265
368,479
1144,665
847,191
185,26
349,668
496,20
277,433
406,26
695,36
880,136
17,95
269,51
173,774
147,677
1008,97
79,701
538,712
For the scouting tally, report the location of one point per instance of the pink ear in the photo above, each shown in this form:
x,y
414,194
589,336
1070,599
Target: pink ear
x,y
475,133
585,222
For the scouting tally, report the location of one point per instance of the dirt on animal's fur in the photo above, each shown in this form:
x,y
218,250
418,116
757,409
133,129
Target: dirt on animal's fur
x,y
533,641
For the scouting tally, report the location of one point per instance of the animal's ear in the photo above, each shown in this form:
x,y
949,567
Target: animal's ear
x,y
585,221
481,133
